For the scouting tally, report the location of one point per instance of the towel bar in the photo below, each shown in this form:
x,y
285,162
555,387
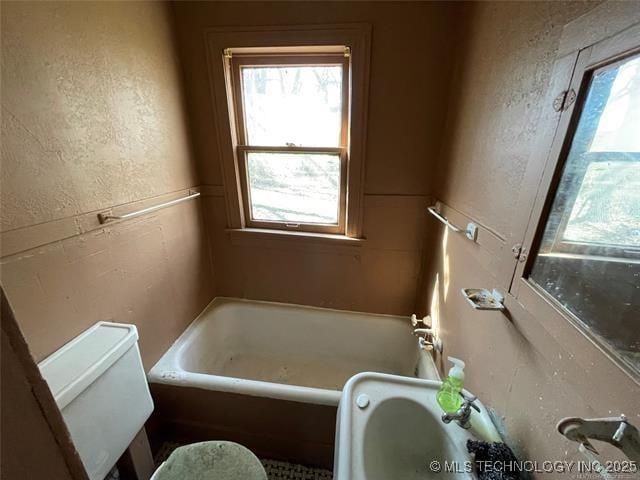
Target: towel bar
x,y
105,217
471,232
435,213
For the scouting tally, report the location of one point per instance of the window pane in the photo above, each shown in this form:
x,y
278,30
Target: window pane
x,y
294,187
293,105
607,208
589,258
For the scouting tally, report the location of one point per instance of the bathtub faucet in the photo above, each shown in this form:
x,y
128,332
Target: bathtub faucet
x,y
425,332
463,414
426,320
427,338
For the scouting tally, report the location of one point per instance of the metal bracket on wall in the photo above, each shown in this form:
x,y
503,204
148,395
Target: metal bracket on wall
x,y
564,100
519,253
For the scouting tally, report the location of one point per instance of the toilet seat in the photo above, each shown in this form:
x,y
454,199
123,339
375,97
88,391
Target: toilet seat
x,y
213,460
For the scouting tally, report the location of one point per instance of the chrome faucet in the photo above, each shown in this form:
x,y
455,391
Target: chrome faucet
x,y
426,332
426,321
427,338
463,414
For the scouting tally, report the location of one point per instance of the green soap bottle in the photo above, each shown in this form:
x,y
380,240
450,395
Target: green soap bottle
x,y
448,395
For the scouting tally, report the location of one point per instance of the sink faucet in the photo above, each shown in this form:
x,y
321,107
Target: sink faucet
x,y
463,414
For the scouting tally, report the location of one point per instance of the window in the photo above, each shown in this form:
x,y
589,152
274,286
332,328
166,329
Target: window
x,y
588,259
597,208
291,112
290,122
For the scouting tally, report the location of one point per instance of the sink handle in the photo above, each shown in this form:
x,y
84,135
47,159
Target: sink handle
x,y
463,414
469,400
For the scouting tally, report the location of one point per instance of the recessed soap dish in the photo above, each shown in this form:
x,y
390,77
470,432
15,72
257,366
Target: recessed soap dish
x,y
483,299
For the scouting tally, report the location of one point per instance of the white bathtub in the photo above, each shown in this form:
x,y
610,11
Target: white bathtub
x,y
288,352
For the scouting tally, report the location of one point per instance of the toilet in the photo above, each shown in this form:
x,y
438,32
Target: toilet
x,y
211,461
100,386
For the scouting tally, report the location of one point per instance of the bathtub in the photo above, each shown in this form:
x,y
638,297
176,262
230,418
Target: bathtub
x,y
288,352
270,375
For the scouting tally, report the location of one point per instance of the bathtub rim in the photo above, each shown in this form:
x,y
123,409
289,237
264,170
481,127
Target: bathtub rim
x,y
167,370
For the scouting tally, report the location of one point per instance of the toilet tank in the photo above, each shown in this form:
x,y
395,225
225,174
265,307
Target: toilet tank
x,y
100,386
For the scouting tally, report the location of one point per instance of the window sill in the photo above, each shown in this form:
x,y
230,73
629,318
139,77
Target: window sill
x,y
266,238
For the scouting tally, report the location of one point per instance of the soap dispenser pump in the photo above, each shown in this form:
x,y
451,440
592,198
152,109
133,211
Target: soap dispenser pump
x,y
448,395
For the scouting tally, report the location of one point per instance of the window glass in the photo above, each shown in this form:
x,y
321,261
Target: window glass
x,y
589,256
294,187
299,105
607,207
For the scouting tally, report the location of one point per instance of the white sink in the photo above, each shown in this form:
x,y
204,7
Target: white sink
x,y
400,433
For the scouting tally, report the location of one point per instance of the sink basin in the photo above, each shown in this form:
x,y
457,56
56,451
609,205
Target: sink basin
x,y
389,427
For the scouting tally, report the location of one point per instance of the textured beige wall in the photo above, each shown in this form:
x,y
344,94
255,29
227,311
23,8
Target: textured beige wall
x,y
523,370
505,59
92,117
380,276
153,272
91,108
410,61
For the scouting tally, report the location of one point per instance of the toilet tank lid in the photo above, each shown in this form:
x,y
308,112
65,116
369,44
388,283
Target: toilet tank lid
x,y
75,366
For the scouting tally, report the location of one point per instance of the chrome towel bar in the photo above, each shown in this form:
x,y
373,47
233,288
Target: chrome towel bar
x,y
105,217
435,213
471,232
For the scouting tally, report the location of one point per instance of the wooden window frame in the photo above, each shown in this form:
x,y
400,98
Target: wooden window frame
x,y
312,41
234,64
531,296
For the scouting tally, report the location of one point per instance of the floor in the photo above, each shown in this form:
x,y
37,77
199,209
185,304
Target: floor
x,y
276,470
292,471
